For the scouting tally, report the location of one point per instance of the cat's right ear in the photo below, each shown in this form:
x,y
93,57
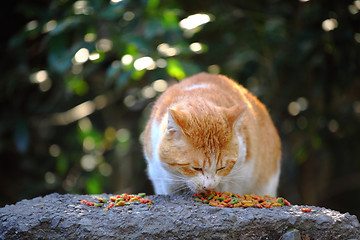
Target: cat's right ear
x,y
172,127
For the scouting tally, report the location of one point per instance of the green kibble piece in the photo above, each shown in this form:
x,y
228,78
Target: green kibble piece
x,y
118,200
281,201
210,197
127,203
98,204
198,200
234,201
141,194
102,200
206,201
220,199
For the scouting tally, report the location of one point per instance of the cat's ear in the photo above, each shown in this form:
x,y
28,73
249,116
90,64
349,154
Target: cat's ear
x,y
235,113
174,121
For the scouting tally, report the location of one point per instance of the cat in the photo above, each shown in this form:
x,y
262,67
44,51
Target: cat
x,y
209,132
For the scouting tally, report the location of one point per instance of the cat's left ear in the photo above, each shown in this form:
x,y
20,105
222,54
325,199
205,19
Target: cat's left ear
x,y
235,113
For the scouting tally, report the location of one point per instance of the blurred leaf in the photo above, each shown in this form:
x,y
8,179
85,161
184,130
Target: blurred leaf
x,y
124,78
153,28
112,12
62,165
136,75
141,44
66,25
170,20
93,185
77,85
59,56
131,49
152,4
175,69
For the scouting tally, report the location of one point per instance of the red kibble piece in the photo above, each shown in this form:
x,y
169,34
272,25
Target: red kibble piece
x,y
110,205
306,209
83,201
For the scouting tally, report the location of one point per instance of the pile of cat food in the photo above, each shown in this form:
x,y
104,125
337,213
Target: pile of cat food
x,y
232,200
119,200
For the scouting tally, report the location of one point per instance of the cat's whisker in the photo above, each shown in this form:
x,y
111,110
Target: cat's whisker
x,y
180,188
169,180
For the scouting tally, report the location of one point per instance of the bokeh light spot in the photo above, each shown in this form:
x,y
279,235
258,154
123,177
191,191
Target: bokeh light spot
x,y
81,56
123,135
128,16
85,124
196,47
194,21
329,24
294,108
160,85
49,178
127,59
49,26
31,25
88,163
90,37
148,92
110,134
105,169
333,125
88,144
104,45
39,76
54,150
144,63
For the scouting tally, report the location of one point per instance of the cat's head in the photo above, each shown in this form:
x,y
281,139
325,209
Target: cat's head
x,y
199,143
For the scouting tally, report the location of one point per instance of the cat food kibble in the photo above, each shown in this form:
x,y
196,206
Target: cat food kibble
x,y
226,199
120,200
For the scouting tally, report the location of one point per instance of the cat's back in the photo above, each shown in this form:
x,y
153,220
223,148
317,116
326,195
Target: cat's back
x,y
217,89
205,82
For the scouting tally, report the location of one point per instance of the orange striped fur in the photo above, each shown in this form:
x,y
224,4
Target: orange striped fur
x,y
208,132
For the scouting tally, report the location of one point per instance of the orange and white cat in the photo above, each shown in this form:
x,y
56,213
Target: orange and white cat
x,y
208,132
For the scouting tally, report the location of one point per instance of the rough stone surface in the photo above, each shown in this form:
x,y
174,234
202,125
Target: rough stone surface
x,y
58,216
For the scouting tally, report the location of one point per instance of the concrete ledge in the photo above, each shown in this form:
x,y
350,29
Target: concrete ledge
x,y
58,216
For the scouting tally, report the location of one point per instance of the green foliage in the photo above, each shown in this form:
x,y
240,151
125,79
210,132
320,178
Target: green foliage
x,y
77,76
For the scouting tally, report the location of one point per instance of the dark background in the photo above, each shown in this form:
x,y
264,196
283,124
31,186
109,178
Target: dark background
x,y
74,127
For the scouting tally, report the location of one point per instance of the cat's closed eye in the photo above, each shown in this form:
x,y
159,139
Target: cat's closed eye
x,y
197,169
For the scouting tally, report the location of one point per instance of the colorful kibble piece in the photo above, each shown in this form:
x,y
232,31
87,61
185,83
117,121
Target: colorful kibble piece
x,y
120,203
120,200
306,209
227,199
